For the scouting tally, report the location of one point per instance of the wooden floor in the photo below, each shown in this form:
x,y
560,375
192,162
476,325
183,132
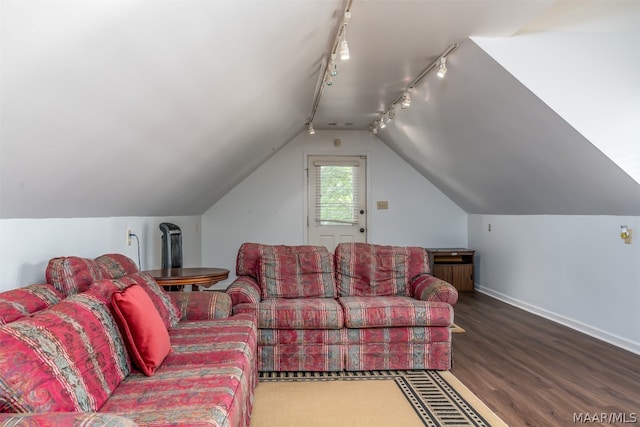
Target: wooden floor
x,y
535,372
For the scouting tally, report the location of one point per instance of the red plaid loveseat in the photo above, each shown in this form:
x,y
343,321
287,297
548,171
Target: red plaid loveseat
x,y
65,361
366,307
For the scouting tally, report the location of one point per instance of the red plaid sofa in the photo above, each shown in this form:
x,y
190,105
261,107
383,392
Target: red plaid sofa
x,y
64,360
365,307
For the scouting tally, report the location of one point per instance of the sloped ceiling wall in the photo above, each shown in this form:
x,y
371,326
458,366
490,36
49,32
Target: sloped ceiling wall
x,y
134,108
495,148
145,108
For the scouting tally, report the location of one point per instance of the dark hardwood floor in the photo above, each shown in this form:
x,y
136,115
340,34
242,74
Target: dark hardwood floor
x,y
535,372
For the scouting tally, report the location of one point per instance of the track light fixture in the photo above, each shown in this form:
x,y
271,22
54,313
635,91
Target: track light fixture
x,y
344,46
333,68
405,98
329,69
329,80
442,69
344,50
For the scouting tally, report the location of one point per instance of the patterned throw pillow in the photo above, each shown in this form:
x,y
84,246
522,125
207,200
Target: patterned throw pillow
x,y
68,358
142,328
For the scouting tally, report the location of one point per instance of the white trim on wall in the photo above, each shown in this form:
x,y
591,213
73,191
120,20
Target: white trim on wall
x,y
600,334
572,269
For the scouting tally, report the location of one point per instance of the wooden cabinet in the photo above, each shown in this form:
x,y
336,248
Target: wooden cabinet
x,y
453,265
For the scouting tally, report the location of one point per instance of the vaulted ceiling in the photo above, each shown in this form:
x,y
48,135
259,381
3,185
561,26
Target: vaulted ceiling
x,y
139,108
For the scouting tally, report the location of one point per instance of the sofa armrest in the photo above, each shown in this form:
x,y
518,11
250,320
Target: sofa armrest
x,y
205,305
244,289
52,419
429,288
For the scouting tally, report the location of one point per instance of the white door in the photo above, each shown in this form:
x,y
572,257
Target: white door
x,y
337,204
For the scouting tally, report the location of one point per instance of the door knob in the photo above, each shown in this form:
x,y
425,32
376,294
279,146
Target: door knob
x,y
361,211
362,230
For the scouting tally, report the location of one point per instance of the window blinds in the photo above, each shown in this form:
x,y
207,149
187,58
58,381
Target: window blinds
x,y
336,192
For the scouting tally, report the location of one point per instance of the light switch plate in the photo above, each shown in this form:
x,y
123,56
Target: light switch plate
x,y
382,204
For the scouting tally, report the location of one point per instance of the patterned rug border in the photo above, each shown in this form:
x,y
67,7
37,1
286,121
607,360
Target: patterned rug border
x,y
436,401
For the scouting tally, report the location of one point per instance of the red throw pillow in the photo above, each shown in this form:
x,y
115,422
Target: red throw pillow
x,y
142,327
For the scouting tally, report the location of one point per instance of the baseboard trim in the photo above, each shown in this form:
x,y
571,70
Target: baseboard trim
x,y
600,334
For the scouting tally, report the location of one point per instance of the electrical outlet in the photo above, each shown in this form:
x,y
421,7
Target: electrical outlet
x,y
128,237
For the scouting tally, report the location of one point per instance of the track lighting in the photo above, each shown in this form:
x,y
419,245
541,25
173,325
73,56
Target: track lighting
x,y
333,68
406,100
329,68
344,50
442,69
344,46
329,80
391,114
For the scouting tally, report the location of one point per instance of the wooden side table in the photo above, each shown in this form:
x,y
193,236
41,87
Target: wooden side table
x,y
197,277
454,265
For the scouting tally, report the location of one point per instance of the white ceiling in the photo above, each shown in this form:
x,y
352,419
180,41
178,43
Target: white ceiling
x,y
391,42
138,107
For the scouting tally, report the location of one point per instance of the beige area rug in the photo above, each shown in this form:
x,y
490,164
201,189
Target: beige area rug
x,y
367,399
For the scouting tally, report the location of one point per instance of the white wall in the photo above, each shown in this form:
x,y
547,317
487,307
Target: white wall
x,y
575,270
26,245
269,206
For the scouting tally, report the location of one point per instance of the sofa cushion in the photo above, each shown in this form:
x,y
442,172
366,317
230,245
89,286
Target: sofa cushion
x,y
383,312
214,342
367,270
69,357
142,328
250,253
185,395
117,265
18,303
72,275
303,313
168,310
297,275
202,305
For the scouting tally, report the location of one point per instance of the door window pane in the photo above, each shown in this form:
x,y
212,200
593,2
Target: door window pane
x,y
336,194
